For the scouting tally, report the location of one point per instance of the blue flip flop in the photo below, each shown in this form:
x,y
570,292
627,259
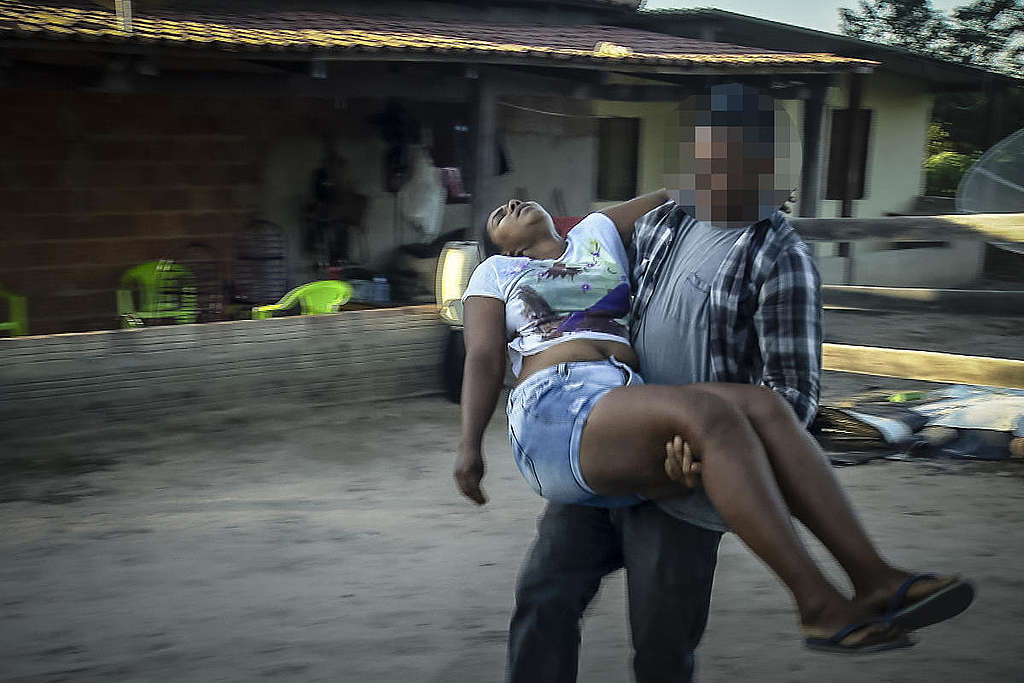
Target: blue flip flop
x,y
945,603
834,643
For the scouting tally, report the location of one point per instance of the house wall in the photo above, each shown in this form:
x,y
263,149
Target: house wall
x,y
872,262
895,177
896,149
658,156
92,184
551,148
287,171
663,155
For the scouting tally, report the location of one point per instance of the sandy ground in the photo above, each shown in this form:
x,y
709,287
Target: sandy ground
x,y
330,544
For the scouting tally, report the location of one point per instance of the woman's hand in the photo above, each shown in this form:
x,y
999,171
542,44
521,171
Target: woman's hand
x,y
482,377
680,464
469,471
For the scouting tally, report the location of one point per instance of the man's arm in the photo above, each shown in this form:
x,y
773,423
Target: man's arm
x,y
481,384
788,323
626,214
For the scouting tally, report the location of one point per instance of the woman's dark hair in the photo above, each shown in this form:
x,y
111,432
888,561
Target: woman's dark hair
x,y
490,248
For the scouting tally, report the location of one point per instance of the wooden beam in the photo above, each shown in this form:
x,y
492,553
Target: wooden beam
x,y
924,365
485,162
920,299
856,84
810,173
1006,227
442,87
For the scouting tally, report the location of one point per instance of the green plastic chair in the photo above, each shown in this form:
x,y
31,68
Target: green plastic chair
x,y
157,290
314,298
17,307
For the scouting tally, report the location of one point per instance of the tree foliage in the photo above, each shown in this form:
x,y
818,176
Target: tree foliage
x,y
943,172
910,24
938,138
984,33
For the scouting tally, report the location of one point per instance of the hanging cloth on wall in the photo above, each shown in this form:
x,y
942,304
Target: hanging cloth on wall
x,y
421,199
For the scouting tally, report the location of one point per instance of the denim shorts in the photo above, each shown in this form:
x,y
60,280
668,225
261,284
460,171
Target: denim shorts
x,y
546,415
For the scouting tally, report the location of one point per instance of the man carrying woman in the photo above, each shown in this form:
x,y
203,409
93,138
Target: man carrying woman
x,y
736,302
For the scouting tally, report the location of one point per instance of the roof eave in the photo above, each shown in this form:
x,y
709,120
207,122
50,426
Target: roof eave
x,y
705,66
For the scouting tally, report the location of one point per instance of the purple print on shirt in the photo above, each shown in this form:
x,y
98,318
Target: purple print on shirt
x,y
601,317
560,270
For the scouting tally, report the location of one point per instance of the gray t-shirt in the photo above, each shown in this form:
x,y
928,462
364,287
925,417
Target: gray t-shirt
x,y
672,337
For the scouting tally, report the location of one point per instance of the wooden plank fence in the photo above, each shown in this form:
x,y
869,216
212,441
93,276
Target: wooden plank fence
x,y
344,358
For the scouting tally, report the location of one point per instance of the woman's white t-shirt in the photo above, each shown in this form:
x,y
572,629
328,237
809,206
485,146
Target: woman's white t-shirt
x,y
584,294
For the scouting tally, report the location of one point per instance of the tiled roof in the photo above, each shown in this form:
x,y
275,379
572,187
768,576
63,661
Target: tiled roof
x,y
330,33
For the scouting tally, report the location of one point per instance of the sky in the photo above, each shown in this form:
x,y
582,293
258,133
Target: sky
x,y
822,15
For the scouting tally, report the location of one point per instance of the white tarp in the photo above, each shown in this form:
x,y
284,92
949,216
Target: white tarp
x,y
969,407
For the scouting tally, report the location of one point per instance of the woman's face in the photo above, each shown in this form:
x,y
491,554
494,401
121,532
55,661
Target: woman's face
x,y
517,225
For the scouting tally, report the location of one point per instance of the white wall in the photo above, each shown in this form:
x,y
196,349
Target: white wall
x,y
663,156
873,263
956,264
658,156
543,163
896,149
548,154
899,135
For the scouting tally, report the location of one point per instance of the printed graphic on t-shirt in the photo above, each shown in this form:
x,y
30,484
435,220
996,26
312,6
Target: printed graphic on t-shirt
x,y
591,295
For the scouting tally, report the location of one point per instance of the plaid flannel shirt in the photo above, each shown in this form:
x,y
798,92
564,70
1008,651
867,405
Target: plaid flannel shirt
x,y
765,304
764,313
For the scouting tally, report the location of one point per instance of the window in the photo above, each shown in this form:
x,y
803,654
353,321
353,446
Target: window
x,y
618,145
848,154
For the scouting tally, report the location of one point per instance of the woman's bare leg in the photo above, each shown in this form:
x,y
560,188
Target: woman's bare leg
x,y
812,491
623,451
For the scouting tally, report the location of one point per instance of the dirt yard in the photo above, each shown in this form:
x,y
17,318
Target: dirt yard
x,y
331,545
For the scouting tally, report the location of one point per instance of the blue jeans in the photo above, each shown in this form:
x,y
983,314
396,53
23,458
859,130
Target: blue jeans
x,y
670,565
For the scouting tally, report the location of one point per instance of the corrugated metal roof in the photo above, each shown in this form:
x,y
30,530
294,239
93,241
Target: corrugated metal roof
x,y
331,33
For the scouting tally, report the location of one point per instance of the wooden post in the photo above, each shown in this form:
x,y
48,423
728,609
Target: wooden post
x,y
996,103
810,171
485,163
856,90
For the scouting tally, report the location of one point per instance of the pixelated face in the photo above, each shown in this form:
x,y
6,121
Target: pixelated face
x,y
517,225
728,179
733,141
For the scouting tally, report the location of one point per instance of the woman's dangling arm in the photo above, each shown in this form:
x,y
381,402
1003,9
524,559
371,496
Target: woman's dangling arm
x,y
481,385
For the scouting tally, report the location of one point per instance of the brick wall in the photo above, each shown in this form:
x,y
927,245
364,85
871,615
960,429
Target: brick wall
x,y
92,184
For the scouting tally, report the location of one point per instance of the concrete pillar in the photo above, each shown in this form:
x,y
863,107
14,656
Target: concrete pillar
x,y
856,92
485,163
810,172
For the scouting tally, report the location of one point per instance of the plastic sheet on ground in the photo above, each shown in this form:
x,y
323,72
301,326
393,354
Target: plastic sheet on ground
x,y
984,420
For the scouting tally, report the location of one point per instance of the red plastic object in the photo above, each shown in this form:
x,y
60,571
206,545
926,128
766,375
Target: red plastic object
x,y
563,224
